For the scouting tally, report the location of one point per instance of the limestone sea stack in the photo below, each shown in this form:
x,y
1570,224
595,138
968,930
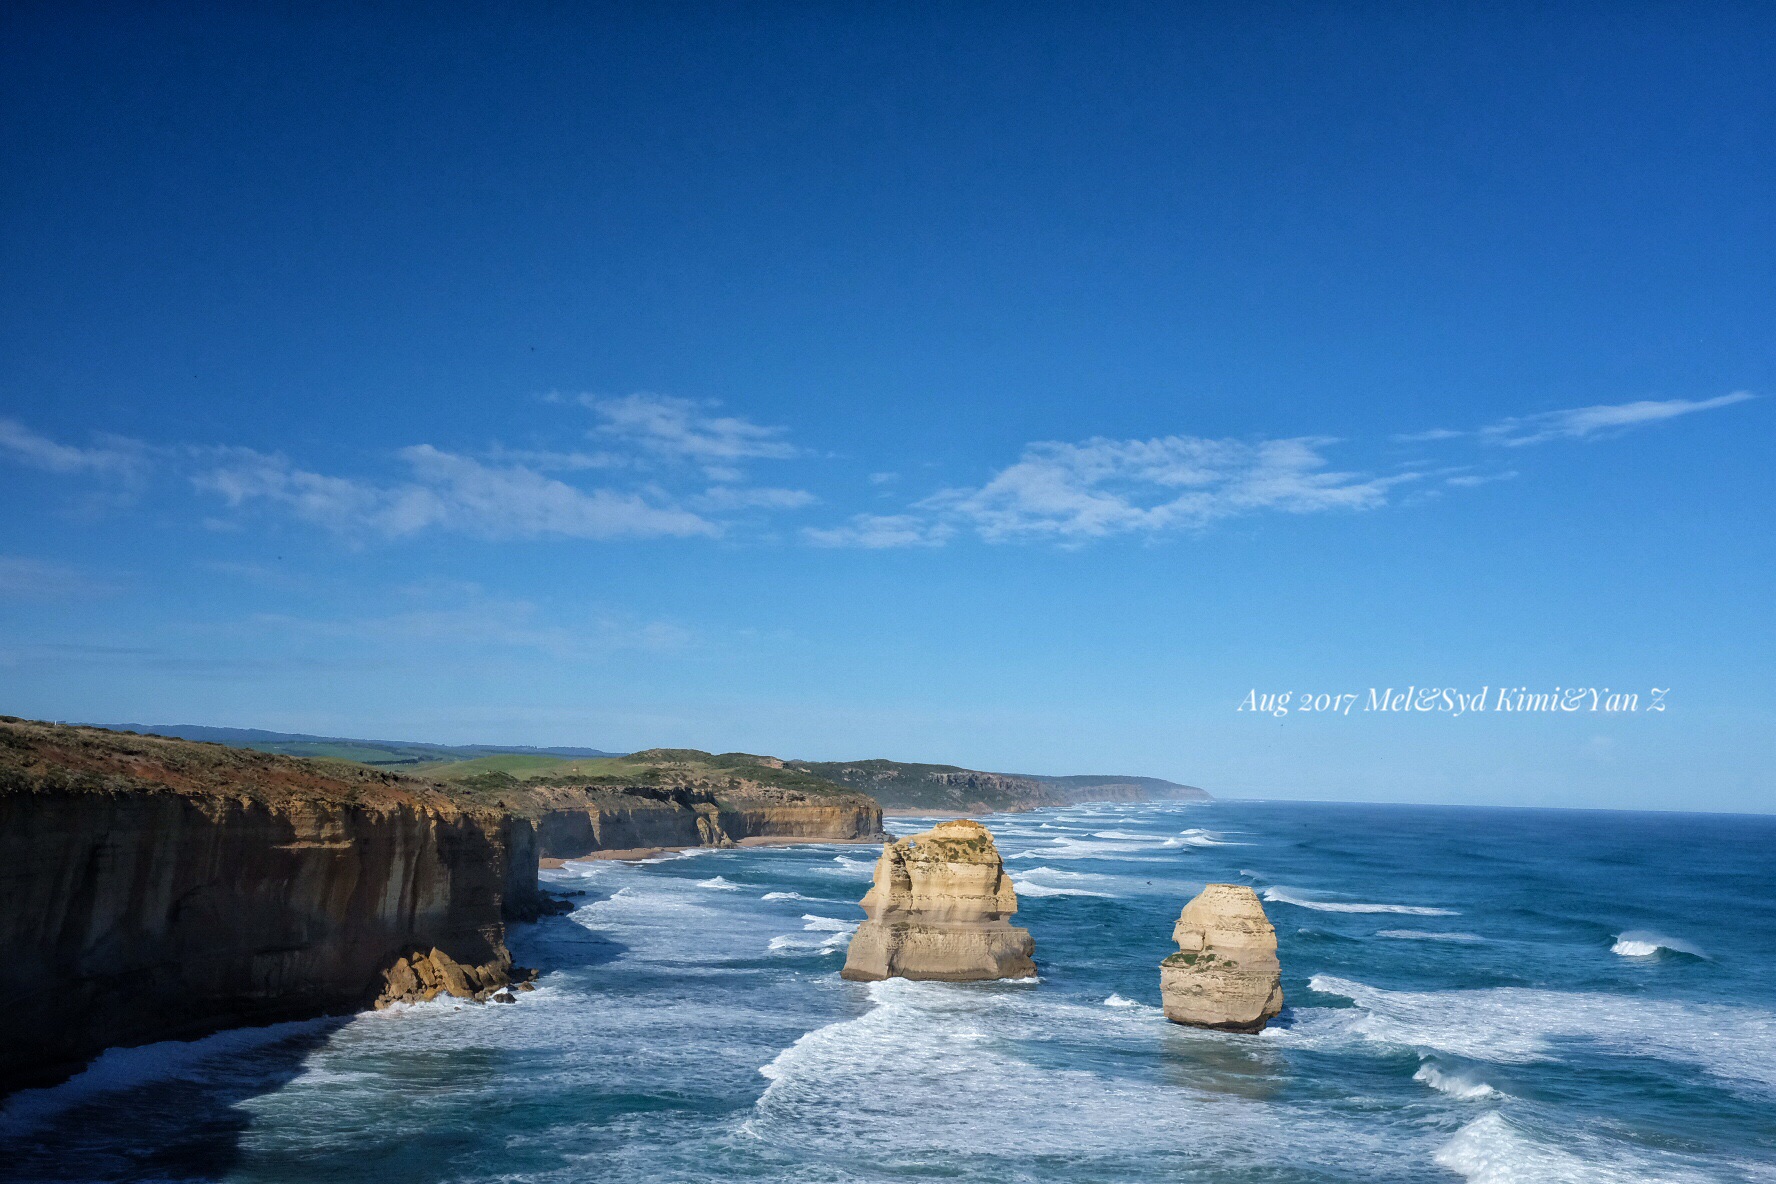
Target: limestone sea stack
x,y
938,910
1225,974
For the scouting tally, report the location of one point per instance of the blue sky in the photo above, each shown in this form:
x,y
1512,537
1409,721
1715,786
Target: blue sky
x,y
1013,386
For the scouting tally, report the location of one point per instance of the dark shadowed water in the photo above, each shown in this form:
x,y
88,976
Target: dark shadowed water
x,y
1506,996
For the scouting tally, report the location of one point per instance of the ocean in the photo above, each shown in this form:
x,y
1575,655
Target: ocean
x,y
1489,995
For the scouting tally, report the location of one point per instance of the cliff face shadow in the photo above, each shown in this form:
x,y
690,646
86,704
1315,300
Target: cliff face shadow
x,y
162,1112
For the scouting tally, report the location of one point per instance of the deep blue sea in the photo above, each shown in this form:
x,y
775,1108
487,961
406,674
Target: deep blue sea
x,y
1499,996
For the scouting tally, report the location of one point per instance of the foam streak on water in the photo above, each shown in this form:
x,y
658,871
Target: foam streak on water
x,y
690,1026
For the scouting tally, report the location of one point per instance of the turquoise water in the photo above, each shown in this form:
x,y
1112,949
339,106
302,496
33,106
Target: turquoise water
x,y
1488,995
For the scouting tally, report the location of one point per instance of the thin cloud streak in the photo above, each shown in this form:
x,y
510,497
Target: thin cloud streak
x,y
875,532
1580,423
26,578
448,492
1577,423
681,429
119,456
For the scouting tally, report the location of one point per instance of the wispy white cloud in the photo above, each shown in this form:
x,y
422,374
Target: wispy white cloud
x,y
1426,436
1576,423
720,498
115,455
1101,487
1469,480
555,461
449,492
684,429
881,531
1580,423
25,578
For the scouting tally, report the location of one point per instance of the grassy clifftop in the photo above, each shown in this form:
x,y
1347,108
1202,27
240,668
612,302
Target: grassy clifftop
x,y
949,789
38,757
403,755
531,783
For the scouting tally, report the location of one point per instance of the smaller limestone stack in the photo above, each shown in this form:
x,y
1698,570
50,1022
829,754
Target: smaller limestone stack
x,y
1225,974
938,910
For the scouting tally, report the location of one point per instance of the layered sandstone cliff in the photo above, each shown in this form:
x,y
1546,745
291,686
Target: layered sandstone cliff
x,y
154,888
938,909
1225,974
673,798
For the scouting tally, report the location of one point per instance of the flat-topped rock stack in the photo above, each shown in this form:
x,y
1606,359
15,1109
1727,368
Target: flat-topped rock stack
x,y
1225,974
938,910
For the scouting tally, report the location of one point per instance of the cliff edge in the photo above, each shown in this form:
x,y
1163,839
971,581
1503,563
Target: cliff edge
x,y
915,788
153,889
937,910
664,797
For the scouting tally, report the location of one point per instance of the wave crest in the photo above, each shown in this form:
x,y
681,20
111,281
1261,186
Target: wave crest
x,y
1642,943
1284,896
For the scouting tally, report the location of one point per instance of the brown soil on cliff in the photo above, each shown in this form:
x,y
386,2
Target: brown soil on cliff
x,y
38,757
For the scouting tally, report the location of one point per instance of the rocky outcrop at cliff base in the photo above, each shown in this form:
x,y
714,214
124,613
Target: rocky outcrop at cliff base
x,y
421,978
938,909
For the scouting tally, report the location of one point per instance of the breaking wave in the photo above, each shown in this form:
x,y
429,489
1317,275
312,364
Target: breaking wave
x,y
1641,943
1428,935
1048,881
1490,1150
1523,1025
1456,1085
827,924
1284,896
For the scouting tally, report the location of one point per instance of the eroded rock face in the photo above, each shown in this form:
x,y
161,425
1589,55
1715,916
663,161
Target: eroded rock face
x,y
938,910
1225,974
575,822
153,889
420,978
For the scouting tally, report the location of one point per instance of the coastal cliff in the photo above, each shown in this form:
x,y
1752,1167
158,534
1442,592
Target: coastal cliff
x,y
154,888
665,797
937,910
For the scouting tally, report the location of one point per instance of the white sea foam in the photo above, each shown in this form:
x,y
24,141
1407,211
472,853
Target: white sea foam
x,y
790,944
1026,887
1116,1000
783,896
718,882
1520,1025
1641,943
1455,1084
682,853
1285,896
827,924
852,867
1490,1150
1428,935
1049,881
1068,847
118,1069
853,1090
